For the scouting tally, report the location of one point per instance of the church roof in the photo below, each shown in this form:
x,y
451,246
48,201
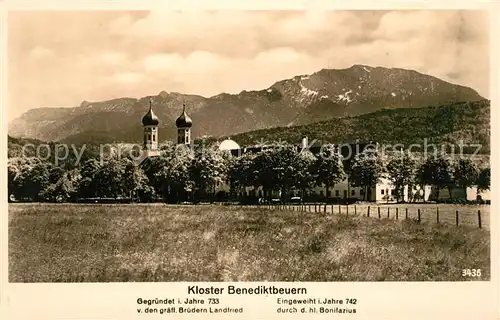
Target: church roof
x,y
229,144
184,121
150,119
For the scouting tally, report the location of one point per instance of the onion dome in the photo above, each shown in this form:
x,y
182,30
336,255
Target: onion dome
x,y
184,121
150,119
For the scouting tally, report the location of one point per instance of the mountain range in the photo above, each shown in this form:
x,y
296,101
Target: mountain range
x,y
301,100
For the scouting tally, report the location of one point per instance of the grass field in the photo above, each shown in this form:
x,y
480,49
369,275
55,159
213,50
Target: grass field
x,y
108,243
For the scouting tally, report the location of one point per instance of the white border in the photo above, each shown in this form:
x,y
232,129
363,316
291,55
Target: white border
x,y
388,300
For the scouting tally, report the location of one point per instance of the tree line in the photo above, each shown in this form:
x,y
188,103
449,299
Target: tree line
x,y
182,173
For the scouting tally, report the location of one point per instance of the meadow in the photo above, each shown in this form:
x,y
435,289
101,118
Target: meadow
x,y
156,242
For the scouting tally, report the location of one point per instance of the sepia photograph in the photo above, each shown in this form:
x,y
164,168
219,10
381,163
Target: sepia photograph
x,y
248,145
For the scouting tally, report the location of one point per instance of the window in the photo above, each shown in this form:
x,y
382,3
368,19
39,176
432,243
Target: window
x,y
361,192
393,192
153,137
329,193
353,192
321,193
260,193
382,191
337,193
345,193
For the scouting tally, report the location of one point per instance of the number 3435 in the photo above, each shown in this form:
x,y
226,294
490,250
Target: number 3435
x,y
471,272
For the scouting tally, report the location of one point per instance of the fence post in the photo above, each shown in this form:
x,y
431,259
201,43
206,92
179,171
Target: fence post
x,y
340,209
397,213
347,209
331,206
479,218
368,211
456,218
406,215
315,207
437,215
418,215
324,209
355,210
378,209
388,215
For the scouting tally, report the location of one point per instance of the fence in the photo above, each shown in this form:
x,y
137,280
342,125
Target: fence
x,y
441,214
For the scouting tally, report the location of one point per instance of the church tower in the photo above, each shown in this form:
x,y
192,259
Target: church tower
x,y
184,124
150,122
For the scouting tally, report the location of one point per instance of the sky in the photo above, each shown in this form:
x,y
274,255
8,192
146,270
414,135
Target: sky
x,y
59,59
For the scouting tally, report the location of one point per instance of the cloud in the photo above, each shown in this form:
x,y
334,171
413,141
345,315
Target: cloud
x,y
278,55
127,77
162,62
41,53
103,55
112,57
197,61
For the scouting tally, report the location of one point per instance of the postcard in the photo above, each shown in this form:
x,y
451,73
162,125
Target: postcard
x,y
255,160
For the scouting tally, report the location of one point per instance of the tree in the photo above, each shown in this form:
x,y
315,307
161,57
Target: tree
x,y
328,168
208,169
262,173
173,172
135,182
436,171
401,170
88,186
465,173
66,188
304,177
241,173
33,178
366,170
14,166
108,179
283,168
55,173
483,179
